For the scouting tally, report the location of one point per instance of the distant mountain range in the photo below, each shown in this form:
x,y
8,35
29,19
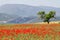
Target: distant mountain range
x,y
30,19
6,17
22,19
20,13
26,10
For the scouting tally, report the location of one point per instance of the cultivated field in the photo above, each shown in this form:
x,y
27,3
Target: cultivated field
x,y
29,31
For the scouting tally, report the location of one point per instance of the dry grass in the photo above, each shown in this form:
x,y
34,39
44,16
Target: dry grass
x,y
54,26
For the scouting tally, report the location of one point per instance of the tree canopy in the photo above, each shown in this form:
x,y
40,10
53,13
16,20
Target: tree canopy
x,y
46,16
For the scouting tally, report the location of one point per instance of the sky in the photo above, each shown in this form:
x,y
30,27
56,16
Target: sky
x,y
52,3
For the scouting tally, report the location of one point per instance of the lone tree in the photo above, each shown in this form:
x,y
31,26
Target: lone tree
x,y
46,17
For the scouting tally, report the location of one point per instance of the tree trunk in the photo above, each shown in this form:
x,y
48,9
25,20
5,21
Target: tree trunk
x,y
48,22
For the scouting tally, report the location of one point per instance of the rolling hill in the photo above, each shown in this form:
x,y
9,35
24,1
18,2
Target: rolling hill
x,y
21,20
4,18
26,10
20,13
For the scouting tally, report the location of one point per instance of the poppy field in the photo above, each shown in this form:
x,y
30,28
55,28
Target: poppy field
x,y
30,32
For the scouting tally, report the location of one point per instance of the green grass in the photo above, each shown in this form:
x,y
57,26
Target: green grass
x,y
32,37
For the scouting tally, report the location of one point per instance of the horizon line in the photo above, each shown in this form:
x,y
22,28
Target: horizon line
x,y
32,5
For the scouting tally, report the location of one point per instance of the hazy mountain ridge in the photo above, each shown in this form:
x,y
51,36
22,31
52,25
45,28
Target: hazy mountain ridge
x,y
25,10
6,17
36,20
22,19
33,19
19,13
